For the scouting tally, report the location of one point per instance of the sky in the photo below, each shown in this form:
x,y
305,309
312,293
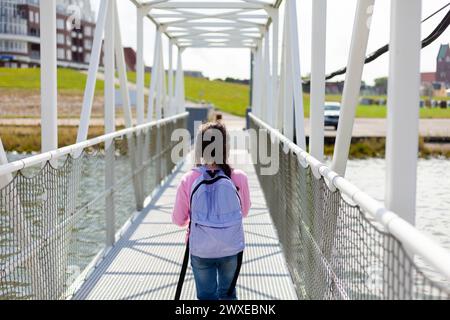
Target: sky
x,y
222,63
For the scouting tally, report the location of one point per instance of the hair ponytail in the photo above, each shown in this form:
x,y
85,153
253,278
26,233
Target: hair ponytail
x,y
226,168
202,143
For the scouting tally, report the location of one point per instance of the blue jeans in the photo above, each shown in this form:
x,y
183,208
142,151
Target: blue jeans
x,y
213,277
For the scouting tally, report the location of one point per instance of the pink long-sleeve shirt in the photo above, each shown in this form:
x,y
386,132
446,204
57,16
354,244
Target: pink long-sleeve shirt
x,y
180,215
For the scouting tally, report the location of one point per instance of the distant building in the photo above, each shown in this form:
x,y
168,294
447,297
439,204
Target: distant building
x,y
428,77
130,62
193,74
430,87
20,34
443,65
334,87
435,84
130,58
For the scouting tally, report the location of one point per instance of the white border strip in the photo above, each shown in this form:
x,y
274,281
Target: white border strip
x,y
413,240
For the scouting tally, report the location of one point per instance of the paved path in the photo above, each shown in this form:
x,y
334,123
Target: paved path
x,y
363,127
371,127
378,127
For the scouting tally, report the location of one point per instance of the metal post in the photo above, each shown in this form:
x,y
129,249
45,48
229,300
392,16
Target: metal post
x,y
179,86
109,122
286,84
4,180
294,53
170,90
164,94
358,47
154,79
49,95
182,92
252,76
122,71
49,126
140,84
318,60
402,136
275,36
267,100
92,73
128,117
403,108
161,79
255,82
258,81
140,68
282,86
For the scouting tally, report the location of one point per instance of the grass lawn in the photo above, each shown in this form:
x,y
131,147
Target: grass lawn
x,y
376,111
228,97
68,79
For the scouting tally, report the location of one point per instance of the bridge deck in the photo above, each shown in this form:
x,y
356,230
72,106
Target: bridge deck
x,y
145,263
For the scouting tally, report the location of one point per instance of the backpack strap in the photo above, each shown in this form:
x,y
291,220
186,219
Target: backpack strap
x,y
236,274
182,273
210,181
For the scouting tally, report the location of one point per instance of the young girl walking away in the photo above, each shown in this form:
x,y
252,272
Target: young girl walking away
x,y
212,199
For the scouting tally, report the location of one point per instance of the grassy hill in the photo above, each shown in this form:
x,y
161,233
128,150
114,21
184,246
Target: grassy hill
x,y
229,97
68,80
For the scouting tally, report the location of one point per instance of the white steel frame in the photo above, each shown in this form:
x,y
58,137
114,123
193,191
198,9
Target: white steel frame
x,y
277,92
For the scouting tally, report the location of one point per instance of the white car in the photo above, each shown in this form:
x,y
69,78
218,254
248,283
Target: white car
x,y
332,110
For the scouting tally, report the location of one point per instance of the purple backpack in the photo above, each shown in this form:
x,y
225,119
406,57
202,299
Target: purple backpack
x,y
216,216
216,229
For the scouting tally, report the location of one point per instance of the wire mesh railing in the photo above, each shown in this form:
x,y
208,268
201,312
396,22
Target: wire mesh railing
x,y
335,248
53,214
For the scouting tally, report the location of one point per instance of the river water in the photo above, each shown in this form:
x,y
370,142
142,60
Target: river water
x,y
433,200
433,192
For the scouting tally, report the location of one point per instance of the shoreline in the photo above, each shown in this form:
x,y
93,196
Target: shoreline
x,y
26,140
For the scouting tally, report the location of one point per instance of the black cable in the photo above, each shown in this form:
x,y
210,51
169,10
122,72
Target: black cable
x,y
435,13
437,32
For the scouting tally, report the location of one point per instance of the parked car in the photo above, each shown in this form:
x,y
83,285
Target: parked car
x,y
331,113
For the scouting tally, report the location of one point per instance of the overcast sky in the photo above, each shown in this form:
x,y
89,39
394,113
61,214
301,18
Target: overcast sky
x,y
221,63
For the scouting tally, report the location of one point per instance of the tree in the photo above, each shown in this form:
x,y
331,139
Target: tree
x,y
381,84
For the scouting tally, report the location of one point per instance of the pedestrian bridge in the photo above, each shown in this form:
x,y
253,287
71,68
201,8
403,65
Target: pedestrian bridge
x,y
93,220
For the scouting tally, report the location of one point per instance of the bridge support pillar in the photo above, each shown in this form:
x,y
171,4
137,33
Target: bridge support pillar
x,y
256,83
318,61
89,91
48,76
110,121
140,71
170,81
179,83
350,97
403,108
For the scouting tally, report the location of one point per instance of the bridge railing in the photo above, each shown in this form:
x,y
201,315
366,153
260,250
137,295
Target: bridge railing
x,y
339,242
62,211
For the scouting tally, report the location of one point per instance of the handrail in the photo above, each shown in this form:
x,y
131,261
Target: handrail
x,y
56,154
414,241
